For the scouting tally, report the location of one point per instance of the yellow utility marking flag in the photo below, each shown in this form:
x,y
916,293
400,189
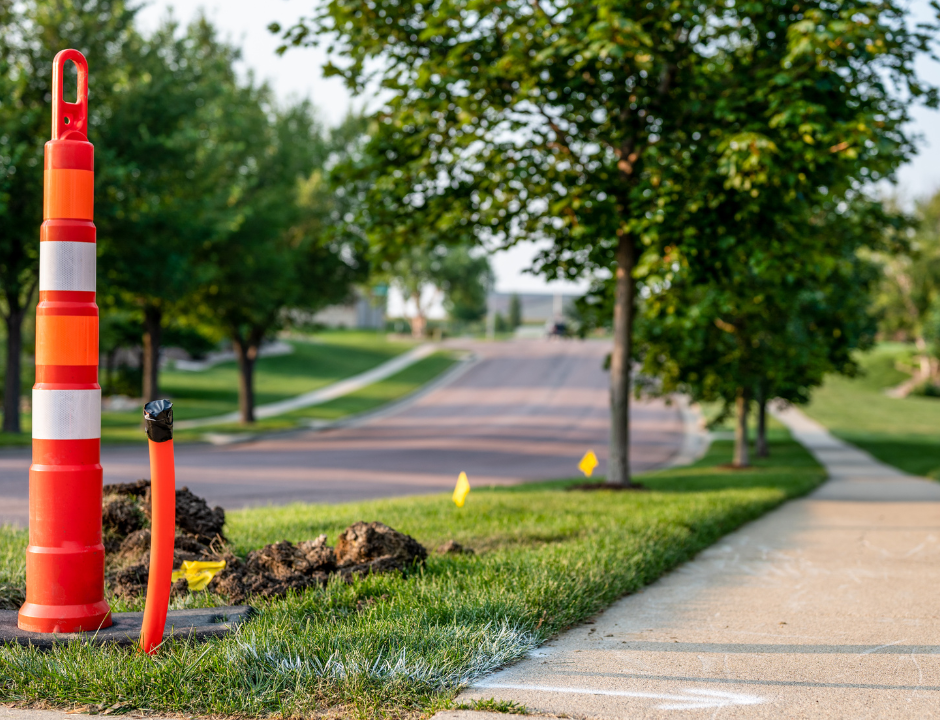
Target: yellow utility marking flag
x,y
198,573
462,490
588,463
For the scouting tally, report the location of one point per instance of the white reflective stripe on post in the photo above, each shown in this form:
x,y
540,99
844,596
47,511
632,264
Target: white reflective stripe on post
x,y
66,414
67,266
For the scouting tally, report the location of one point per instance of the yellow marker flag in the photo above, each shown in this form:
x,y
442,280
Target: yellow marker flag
x,y
462,490
588,463
198,573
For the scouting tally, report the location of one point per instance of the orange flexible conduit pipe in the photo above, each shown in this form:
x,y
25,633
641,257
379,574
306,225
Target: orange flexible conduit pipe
x,y
158,418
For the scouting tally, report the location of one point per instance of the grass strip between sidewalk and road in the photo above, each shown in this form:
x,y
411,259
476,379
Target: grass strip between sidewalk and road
x,y
898,431
388,646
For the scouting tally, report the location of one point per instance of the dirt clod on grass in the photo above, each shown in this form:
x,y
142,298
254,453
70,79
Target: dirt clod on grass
x,y
362,543
452,547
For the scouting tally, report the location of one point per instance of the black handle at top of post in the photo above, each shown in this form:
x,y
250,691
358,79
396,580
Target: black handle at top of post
x,y
158,418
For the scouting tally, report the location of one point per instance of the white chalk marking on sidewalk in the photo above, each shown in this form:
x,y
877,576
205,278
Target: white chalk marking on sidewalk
x,y
325,394
690,699
869,651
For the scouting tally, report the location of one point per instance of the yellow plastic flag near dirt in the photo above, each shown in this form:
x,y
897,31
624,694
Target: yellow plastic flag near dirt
x,y
198,573
462,490
588,463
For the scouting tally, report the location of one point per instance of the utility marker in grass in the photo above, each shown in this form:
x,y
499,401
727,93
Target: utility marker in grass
x,y
461,490
588,463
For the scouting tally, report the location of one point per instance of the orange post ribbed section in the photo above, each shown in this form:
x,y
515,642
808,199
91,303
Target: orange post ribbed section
x,y
65,556
68,194
66,340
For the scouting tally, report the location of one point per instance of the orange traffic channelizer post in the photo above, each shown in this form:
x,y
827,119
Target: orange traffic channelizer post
x,y
65,556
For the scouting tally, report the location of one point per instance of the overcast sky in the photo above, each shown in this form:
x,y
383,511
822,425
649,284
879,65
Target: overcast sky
x,y
298,74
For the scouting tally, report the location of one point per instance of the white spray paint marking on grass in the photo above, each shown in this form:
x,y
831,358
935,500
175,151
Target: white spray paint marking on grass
x,y
690,699
486,649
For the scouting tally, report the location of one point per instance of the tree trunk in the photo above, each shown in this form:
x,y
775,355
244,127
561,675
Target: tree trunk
x,y
418,323
762,449
741,458
923,358
109,360
11,389
618,469
247,352
153,320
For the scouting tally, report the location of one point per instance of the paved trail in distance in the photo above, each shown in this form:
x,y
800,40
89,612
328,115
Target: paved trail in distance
x,y
528,410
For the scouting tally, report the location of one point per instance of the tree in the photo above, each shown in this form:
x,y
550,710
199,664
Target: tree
x,y
744,336
462,276
588,124
515,311
908,296
171,172
282,254
465,278
412,273
31,33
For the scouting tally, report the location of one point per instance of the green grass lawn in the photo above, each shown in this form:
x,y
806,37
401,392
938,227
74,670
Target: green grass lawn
x,y
901,432
324,359
371,397
387,646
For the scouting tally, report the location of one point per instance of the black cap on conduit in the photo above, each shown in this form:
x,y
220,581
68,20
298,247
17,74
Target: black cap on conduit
x,y
158,417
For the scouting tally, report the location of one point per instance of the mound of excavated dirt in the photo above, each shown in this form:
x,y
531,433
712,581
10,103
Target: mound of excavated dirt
x,y
129,566
135,489
125,520
361,549
274,570
127,509
194,516
271,571
121,516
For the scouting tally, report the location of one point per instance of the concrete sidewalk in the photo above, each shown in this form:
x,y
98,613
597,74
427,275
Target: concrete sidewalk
x,y
828,607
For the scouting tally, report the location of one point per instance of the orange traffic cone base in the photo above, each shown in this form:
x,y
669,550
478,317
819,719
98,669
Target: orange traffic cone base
x,y
64,618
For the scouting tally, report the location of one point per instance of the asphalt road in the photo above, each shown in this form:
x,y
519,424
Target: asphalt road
x,y
527,410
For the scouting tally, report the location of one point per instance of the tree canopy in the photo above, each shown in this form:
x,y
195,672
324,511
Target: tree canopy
x,y
625,134
30,36
280,253
170,156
